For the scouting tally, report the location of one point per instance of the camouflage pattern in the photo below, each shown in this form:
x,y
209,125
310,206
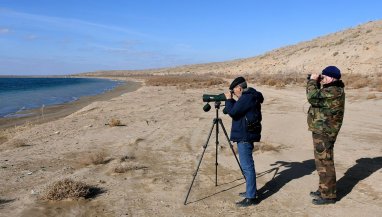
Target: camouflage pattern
x,y
325,118
326,112
324,159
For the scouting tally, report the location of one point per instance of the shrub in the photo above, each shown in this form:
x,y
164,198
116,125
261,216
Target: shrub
x,y
114,122
100,157
67,189
184,81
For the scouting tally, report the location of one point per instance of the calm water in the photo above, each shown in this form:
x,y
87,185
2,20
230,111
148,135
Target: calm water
x,y
19,94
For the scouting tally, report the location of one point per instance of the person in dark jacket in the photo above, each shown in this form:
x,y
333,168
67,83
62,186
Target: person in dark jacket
x,y
246,129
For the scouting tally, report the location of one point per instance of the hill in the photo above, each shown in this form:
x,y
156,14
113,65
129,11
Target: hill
x,y
356,50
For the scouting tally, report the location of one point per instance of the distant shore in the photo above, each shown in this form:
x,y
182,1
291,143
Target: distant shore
x,y
61,110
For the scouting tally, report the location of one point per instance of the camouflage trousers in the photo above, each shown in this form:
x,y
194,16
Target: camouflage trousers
x,y
324,159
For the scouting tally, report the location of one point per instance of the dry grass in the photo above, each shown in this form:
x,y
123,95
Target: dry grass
x,y
127,158
185,81
371,96
4,201
278,79
266,147
114,122
123,168
3,138
67,189
100,157
356,81
136,141
19,143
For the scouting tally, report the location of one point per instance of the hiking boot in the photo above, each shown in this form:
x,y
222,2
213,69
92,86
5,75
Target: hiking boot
x,y
315,194
323,201
247,202
243,194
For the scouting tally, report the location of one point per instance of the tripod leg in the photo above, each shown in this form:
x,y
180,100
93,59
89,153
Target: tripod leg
x,y
200,160
231,146
216,157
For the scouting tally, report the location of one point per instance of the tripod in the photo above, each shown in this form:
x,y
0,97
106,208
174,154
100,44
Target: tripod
x,y
216,123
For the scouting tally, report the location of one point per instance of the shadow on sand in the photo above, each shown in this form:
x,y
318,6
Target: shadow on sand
x,y
295,170
360,171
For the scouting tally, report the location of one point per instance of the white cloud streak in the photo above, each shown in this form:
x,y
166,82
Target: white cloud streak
x,y
4,31
69,23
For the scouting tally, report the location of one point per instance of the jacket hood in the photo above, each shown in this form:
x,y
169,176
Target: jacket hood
x,y
337,83
255,94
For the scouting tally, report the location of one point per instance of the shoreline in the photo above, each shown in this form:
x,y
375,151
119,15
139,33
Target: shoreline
x,y
55,112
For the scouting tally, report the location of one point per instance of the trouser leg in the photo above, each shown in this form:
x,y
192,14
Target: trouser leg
x,y
246,161
324,159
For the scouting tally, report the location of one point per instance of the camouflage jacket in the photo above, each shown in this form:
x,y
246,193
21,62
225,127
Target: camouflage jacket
x,y
327,107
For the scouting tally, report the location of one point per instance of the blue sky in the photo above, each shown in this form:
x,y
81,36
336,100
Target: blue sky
x,y
41,37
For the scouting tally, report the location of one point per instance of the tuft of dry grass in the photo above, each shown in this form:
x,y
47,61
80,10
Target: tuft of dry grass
x,y
3,138
277,79
67,189
266,147
126,158
114,122
357,81
123,168
19,143
371,96
185,81
100,157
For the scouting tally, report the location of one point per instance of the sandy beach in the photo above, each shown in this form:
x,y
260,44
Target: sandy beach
x,y
61,110
150,158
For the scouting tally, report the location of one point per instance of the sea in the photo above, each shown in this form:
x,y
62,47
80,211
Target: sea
x,y
18,95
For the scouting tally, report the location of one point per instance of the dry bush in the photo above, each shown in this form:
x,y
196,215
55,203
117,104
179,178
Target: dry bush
x,y
379,88
123,168
185,81
357,81
67,189
371,96
114,122
136,141
3,138
100,157
4,201
19,143
266,146
126,158
278,79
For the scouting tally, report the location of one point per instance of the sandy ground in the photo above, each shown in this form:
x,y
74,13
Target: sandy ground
x,y
165,129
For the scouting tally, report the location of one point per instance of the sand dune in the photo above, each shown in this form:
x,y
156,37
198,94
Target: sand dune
x,y
356,50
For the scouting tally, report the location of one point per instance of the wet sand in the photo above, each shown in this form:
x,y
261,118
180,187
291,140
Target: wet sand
x,y
50,113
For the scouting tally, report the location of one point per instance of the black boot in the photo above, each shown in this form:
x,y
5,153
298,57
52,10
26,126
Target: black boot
x,y
243,194
247,202
323,201
315,194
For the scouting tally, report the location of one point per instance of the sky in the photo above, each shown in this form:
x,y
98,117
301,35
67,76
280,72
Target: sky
x,y
47,37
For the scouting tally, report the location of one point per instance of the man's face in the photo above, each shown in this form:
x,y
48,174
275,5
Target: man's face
x,y
326,79
237,91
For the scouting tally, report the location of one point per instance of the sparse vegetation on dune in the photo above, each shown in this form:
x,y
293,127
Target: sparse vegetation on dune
x,y
353,81
185,81
356,81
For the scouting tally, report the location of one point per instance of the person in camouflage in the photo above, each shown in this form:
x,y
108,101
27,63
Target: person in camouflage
x,y
325,118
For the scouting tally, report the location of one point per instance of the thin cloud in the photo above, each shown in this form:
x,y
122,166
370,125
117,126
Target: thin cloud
x,y
69,23
4,31
31,37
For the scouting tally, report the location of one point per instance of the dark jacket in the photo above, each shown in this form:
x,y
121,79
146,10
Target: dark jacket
x,y
246,109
